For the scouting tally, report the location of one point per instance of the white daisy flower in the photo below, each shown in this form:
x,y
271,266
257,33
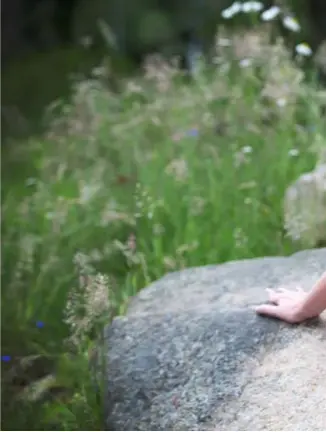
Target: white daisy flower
x,y
252,6
224,42
303,49
291,24
281,102
247,149
271,13
293,152
234,9
244,63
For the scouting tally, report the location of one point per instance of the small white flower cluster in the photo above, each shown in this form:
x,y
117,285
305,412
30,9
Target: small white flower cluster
x,y
178,168
240,238
289,22
145,204
247,149
271,13
27,249
293,152
237,7
197,207
87,192
242,156
303,49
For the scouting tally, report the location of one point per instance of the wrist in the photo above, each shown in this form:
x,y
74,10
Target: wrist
x,y
300,313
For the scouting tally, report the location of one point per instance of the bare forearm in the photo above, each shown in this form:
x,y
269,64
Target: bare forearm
x,y
315,302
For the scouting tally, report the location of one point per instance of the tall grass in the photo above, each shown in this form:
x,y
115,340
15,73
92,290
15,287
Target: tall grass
x,y
124,188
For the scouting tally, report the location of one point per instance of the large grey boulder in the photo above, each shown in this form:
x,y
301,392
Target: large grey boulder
x,y
192,355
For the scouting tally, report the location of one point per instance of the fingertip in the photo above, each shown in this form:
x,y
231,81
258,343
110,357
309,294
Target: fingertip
x,y
258,309
270,293
265,309
273,297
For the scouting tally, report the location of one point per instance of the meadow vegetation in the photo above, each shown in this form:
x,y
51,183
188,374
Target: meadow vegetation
x,y
125,187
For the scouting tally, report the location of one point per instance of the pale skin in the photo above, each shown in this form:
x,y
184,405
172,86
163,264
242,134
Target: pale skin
x,y
295,306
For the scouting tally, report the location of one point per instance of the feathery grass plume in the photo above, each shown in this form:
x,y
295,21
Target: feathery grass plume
x,y
88,304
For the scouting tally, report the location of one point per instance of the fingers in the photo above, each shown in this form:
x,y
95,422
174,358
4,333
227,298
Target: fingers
x,y
269,310
300,290
283,290
287,291
277,312
274,296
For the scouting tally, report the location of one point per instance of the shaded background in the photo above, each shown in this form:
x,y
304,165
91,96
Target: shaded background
x,y
45,43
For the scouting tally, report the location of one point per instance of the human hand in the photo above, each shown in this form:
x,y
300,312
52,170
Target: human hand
x,y
285,305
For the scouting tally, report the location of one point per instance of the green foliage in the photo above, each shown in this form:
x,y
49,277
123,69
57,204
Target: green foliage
x,y
167,175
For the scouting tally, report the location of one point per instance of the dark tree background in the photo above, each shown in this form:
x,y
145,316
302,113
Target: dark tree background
x,y
39,43
43,24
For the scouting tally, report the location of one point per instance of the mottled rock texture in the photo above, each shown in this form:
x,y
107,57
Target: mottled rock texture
x,y
192,355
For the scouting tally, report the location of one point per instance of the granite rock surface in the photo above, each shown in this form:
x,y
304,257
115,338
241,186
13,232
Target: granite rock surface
x,y
192,355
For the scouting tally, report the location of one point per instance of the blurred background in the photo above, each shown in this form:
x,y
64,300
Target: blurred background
x,y
47,42
139,138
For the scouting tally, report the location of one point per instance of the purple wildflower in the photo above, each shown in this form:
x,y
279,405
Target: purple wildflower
x,y
5,358
194,132
39,324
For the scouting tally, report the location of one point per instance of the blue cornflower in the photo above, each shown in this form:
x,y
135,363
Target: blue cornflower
x,y
5,358
194,132
39,324
311,128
